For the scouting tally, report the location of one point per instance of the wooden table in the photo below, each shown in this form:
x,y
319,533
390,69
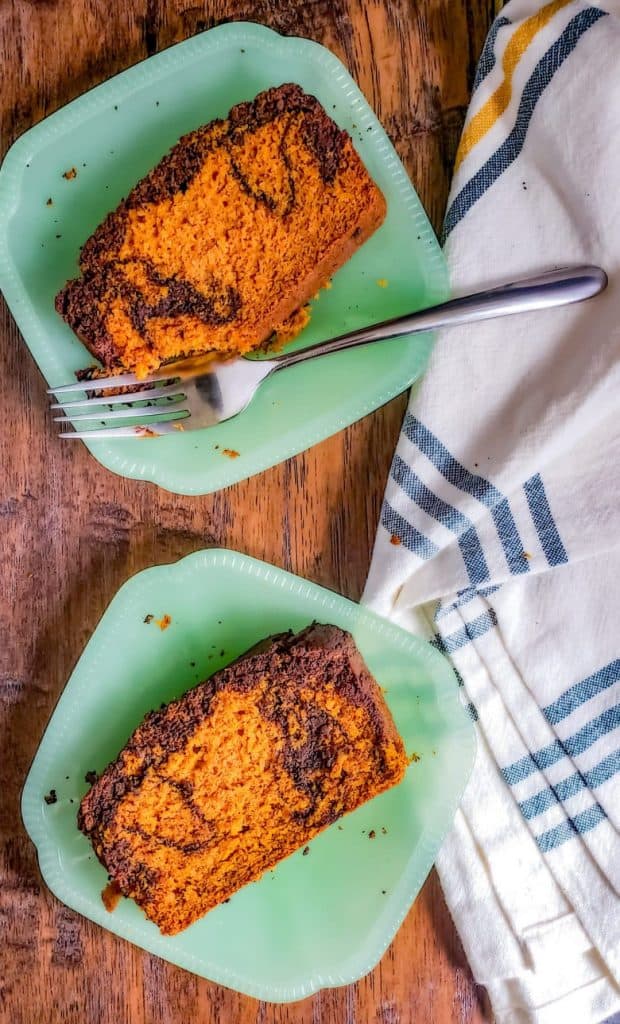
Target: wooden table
x,y
71,532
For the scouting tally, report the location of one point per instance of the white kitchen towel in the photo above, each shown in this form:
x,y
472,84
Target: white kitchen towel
x,y
500,530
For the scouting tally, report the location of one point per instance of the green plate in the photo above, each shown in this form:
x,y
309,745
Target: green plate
x,y
316,921
112,136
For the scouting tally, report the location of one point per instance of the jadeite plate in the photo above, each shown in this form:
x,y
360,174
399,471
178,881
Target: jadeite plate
x,y
316,921
112,136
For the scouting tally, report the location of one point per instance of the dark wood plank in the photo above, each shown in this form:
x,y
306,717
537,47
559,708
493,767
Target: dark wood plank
x,y
71,532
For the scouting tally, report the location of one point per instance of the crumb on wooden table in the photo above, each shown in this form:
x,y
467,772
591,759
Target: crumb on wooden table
x,y
70,174
111,896
164,622
50,798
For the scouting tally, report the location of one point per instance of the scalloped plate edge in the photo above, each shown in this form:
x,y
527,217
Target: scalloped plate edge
x,y
428,845
120,87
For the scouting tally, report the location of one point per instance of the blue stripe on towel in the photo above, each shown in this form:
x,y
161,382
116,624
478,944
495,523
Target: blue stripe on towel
x,y
483,490
437,642
566,788
459,677
582,692
510,149
464,597
449,467
571,747
398,526
570,828
488,59
592,731
603,771
447,515
471,711
470,631
543,520
509,537
539,803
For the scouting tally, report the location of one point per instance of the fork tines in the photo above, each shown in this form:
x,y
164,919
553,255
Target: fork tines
x,y
147,410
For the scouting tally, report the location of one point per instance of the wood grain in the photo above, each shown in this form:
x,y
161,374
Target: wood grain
x,y
71,532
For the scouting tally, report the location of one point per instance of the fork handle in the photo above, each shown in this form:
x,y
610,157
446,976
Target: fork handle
x,y
556,288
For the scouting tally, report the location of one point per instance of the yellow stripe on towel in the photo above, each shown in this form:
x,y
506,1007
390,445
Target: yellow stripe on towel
x,y
496,104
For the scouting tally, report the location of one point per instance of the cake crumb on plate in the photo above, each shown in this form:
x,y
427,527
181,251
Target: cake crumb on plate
x,y
110,896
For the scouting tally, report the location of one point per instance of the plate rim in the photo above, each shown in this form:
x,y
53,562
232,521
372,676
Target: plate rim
x,y
120,87
366,956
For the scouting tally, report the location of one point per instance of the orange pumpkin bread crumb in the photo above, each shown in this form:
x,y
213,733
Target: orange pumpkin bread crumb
x,y
216,788
110,896
232,232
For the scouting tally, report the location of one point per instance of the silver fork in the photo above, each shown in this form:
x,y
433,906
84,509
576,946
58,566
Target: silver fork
x,y
186,399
